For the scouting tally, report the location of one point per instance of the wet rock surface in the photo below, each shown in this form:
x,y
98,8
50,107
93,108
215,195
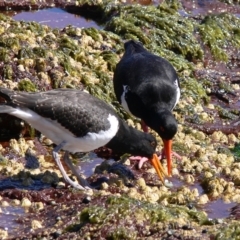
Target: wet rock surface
x,y
129,203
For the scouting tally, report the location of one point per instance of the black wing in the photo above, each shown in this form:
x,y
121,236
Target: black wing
x,y
77,111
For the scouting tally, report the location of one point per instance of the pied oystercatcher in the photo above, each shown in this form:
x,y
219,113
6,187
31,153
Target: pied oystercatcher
x,y
78,122
147,86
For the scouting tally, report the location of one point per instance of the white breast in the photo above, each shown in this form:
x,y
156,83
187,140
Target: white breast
x,y
178,93
123,100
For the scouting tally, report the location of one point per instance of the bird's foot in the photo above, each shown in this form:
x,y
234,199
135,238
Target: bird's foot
x,y
174,154
141,160
81,180
62,170
144,126
155,163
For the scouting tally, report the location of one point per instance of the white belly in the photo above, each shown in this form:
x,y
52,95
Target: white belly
x,y
54,131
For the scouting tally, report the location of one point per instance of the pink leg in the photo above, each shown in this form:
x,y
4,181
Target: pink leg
x,y
173,154
141,160
144,126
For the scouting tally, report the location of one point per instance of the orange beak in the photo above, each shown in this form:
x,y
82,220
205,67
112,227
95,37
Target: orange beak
x,y
158,167
168,154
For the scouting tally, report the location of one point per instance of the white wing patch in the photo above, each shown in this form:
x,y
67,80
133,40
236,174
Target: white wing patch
x,y
178,93
123,100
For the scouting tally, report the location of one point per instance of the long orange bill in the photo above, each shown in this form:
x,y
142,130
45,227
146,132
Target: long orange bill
x,y
168,154
158,167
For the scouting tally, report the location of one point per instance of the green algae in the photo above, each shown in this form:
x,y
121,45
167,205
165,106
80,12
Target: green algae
x,y
124,209
8,72
111,59
153,25
155,212
94,33
180,147
236,152
195,89
3,160
25,53
27,86
230,1
67,43
10,42
231,231
121,233
226,114
28,179
4,55
220,31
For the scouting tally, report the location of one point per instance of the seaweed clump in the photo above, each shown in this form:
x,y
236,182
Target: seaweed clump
x,y
219,32
231,231
161,29
127,218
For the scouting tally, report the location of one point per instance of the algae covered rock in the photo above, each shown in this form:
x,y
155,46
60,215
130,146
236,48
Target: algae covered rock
x,y
127,218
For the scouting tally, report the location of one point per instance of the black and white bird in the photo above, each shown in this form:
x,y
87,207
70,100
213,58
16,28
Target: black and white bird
x,y
147,86
78,122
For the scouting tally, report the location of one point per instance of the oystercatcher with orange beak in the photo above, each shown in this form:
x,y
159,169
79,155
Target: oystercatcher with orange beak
x,y
78,122
147,86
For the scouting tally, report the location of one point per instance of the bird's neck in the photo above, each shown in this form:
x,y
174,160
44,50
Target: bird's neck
x,y
125,135
157,116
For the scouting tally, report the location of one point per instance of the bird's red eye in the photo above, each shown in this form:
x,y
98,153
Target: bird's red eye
x,y
162,129
153,144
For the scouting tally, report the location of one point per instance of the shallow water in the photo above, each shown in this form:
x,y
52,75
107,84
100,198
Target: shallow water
x,y
88,163
218,209
8,219
55,18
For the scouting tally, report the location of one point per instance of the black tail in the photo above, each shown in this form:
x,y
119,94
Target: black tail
x,y
132,47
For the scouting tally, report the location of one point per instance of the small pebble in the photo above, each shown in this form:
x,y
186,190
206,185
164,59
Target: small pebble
x,y
203,199
168,184
59,185
104,186
39,205
36,224
87,199
56,234
31,160
190,205
186,227
26,202
5,204
219,220
16,202
3,234
141,182
53,203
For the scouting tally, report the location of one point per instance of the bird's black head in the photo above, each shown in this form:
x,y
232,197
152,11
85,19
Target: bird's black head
x,y
132,141
164,123
144,146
